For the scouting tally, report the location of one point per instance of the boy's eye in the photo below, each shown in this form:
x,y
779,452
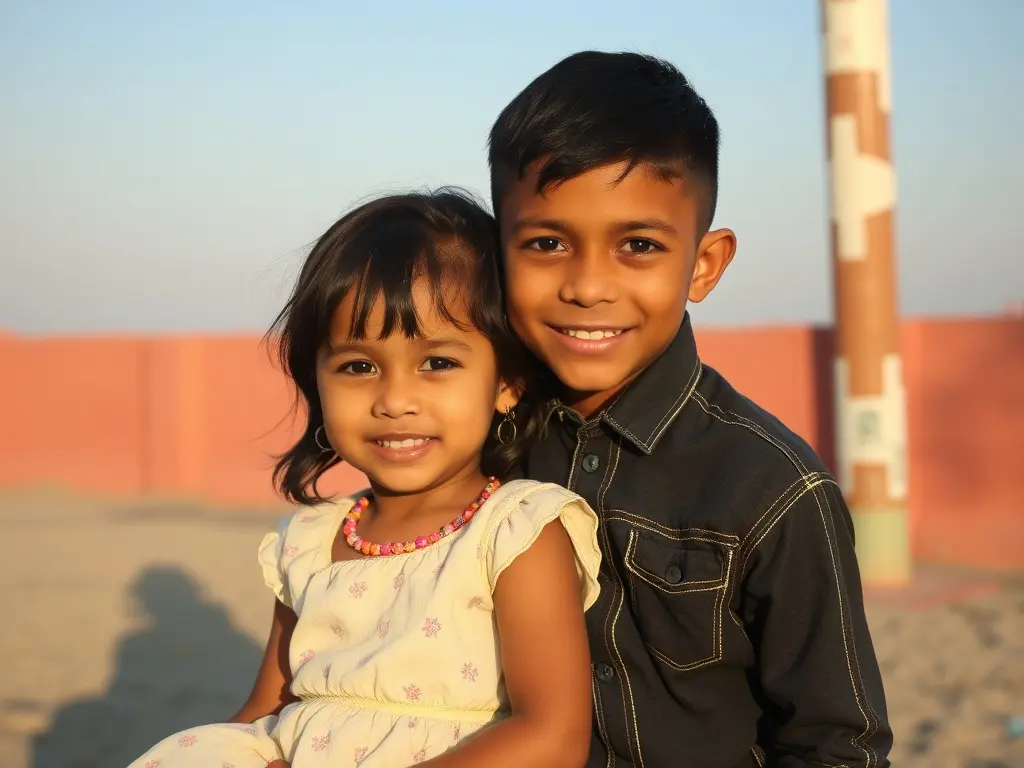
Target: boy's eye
x,y
545,244
357,368
438,364
640,245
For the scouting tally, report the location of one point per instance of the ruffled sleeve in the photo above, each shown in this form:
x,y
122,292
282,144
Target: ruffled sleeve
x,y
271,555
515,528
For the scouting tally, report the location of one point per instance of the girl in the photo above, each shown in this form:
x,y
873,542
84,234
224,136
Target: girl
x,y
444,603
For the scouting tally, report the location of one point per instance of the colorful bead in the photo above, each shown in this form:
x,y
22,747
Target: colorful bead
x,y
369,549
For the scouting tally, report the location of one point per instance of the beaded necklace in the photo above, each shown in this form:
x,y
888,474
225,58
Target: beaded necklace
x,y
370,549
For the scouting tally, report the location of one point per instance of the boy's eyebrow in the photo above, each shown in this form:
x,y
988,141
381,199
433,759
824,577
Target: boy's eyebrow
x,y
631,225
634,224
554,224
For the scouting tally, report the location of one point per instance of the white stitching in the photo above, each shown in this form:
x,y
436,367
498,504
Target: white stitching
x,y
668,418
858,741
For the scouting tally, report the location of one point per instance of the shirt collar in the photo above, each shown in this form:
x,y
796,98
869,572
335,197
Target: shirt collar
x,y
655,398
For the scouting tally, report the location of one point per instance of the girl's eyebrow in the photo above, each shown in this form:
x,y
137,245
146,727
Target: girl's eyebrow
x,y
333,350
442,342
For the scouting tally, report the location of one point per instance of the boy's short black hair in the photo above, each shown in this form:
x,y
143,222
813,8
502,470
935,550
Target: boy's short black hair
x,y
593,109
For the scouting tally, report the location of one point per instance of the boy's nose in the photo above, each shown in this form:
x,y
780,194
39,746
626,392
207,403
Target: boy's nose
x,y
589,280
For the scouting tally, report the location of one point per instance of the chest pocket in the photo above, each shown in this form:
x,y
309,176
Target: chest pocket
x,y
678,591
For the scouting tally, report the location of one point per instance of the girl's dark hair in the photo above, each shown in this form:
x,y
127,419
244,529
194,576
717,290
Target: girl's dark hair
x,y
378,250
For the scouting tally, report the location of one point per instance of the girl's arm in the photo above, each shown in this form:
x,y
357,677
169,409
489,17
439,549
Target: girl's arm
x,y
270,691
546,661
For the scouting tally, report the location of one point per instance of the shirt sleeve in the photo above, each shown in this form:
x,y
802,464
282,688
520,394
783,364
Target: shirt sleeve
x,y
271,555
515,528
803,608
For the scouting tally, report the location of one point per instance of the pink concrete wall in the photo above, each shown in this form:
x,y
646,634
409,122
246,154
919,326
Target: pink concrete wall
x,y
202,416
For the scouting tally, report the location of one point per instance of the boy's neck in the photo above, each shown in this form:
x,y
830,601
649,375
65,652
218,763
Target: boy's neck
x,y
590,404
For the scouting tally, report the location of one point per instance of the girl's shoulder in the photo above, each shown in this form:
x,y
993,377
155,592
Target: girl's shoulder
x,y
529,501
514,494
300,544
521,509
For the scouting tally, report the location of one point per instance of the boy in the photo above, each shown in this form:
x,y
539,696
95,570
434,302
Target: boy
x,y
730,629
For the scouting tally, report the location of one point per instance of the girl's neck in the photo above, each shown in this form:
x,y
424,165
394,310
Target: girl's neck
x,y
454,493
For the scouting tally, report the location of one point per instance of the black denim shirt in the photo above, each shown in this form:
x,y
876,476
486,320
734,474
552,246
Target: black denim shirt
x,y
730,629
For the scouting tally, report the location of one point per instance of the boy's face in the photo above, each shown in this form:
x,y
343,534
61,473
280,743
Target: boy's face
x,y
599,273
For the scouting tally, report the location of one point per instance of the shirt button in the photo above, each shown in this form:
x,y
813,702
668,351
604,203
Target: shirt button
x,y
605,672
673,575
591,463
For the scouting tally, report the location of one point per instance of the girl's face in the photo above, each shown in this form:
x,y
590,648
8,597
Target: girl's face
x,y
411,414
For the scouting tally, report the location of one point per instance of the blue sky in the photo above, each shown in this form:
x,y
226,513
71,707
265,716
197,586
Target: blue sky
x,y
164,164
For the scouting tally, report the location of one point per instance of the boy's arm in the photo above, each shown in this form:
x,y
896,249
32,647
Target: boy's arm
x,y
803,610
545,658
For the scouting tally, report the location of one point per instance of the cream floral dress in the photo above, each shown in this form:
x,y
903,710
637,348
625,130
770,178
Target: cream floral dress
x,y
394,659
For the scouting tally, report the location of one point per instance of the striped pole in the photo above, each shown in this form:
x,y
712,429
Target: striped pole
x,y
871,420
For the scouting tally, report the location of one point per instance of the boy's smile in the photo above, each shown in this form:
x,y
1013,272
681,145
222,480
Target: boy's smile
x,y
599,269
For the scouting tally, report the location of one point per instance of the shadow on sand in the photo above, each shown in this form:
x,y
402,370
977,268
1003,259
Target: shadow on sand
x,y
188,665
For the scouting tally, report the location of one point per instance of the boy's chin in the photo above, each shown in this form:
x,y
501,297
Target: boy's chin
x,y
594,382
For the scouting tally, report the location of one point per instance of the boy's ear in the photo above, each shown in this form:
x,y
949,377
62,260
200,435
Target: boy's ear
x,y
714,254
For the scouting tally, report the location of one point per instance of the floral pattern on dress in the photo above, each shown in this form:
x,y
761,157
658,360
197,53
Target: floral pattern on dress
x,y
422,633
431,627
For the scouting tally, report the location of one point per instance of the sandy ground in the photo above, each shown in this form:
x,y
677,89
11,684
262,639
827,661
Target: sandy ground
x,y
122,625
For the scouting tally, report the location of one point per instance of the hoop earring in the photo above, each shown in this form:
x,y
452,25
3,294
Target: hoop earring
x,y
507,432
316,439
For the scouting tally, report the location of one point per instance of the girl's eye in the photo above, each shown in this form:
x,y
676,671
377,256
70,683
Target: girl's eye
x,y
438,364
639,245
545,245
358,368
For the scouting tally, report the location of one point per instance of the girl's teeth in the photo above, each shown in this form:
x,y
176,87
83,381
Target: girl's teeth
x,y
591,335
402,443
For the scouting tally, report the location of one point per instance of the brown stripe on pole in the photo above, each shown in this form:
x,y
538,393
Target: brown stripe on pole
x,y
870,398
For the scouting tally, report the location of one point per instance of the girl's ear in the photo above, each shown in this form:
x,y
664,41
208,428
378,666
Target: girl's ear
x,y
508,396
